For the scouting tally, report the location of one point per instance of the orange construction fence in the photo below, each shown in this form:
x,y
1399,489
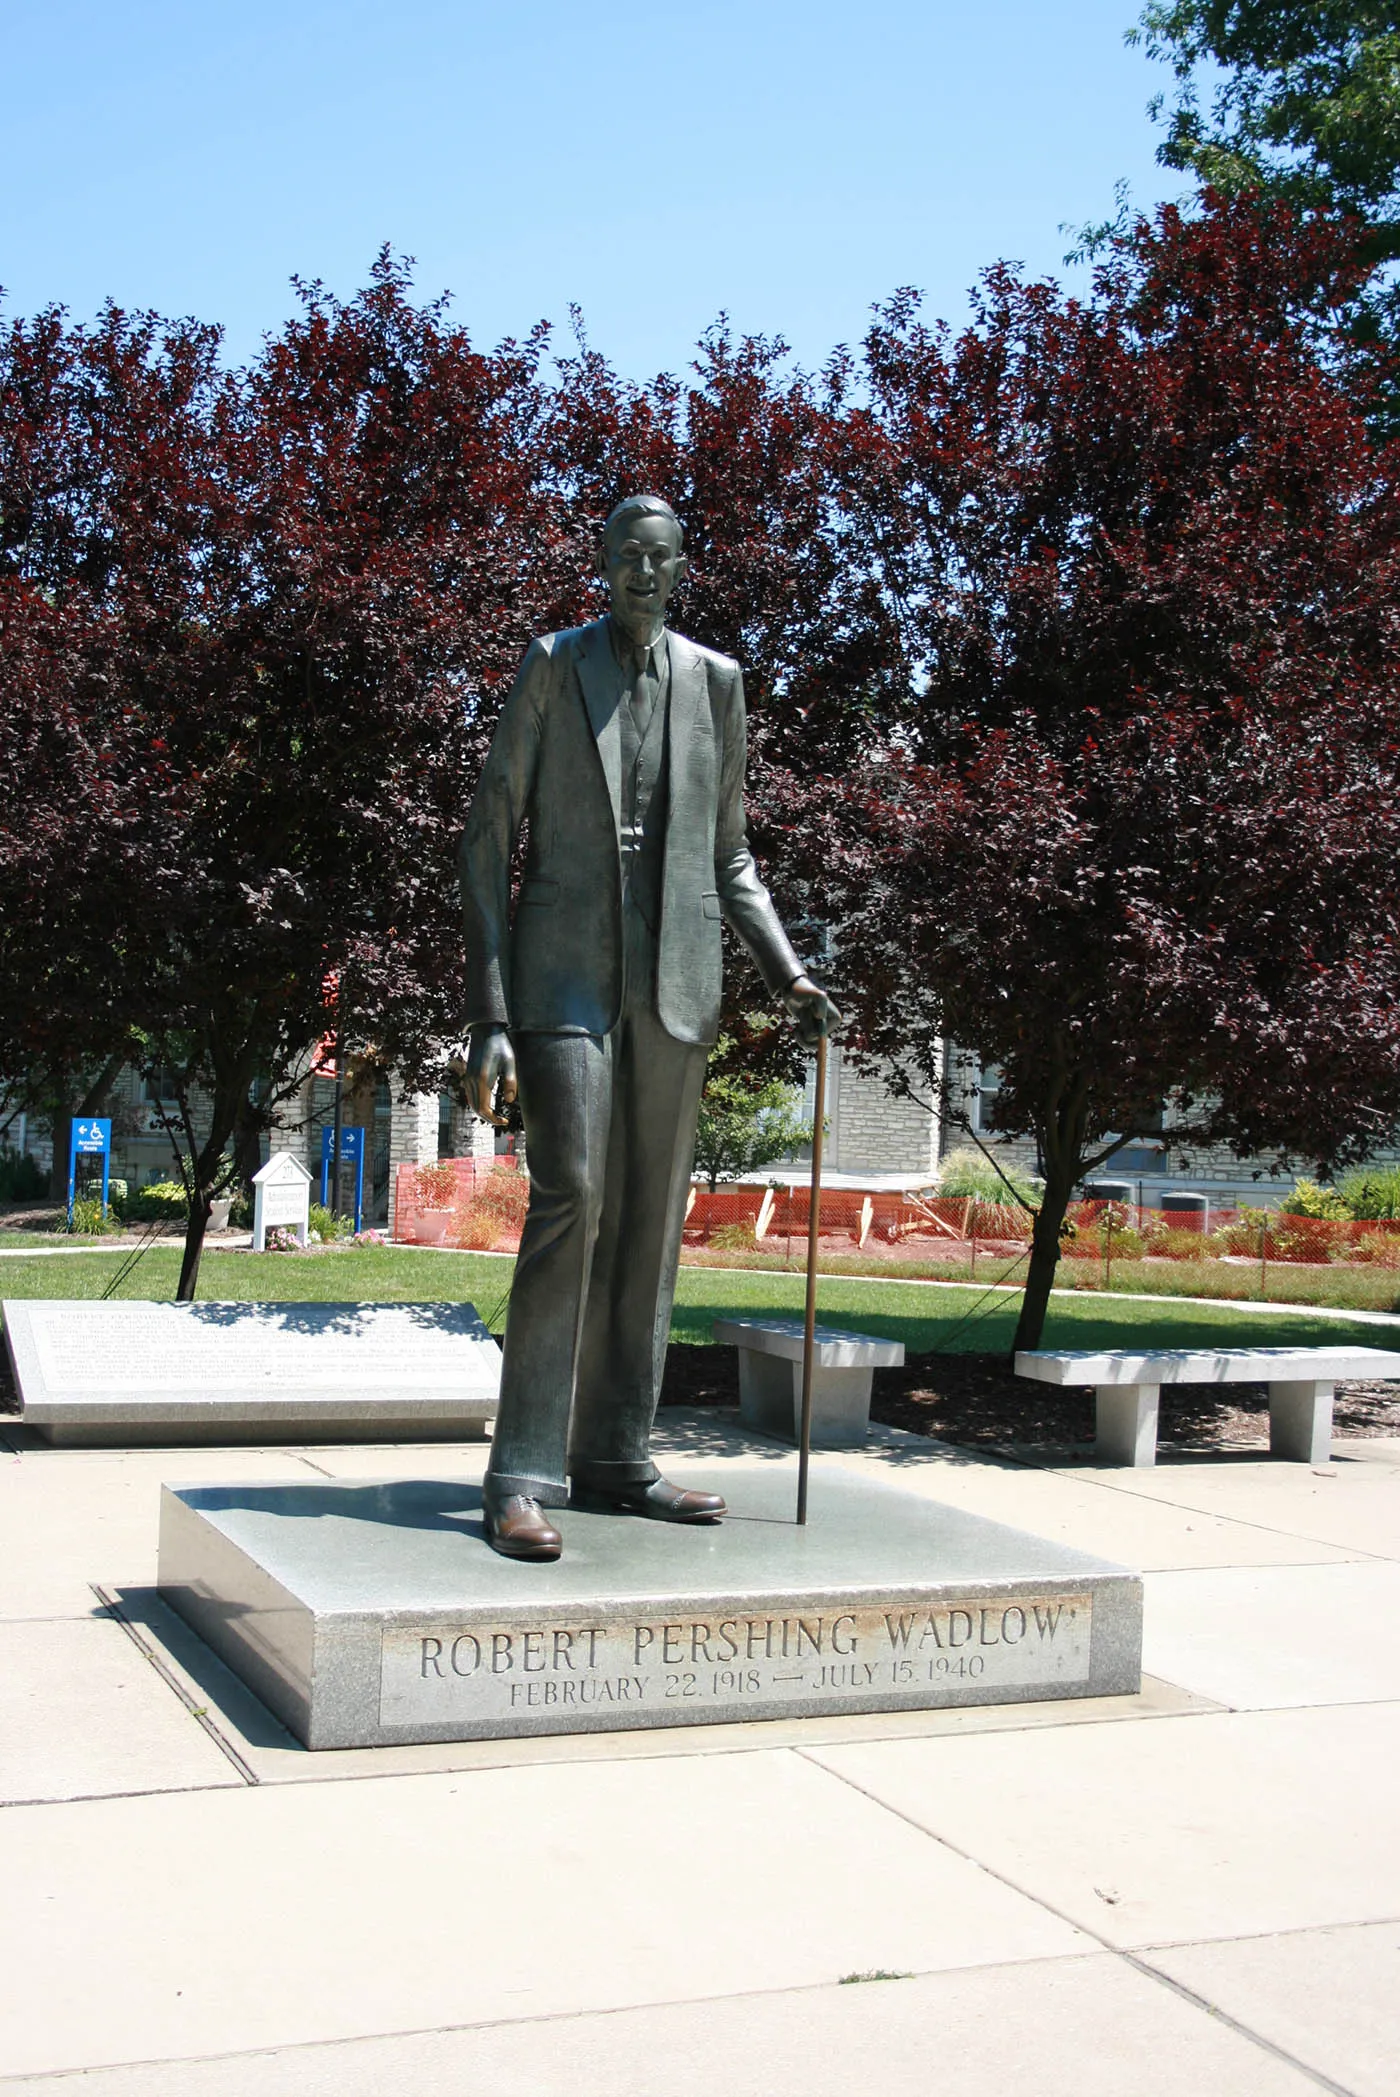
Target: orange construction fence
x,y
481,1207
470,1206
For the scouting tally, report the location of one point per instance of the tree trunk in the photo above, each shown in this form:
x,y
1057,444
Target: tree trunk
x,y
62,1142
198,1224
247,1145
1060,1140
205,1167
1044,1264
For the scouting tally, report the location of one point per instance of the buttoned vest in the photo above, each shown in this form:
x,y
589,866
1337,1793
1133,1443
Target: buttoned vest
x,y
643,810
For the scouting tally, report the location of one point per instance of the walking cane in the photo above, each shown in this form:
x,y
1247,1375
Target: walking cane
x,y
809,1342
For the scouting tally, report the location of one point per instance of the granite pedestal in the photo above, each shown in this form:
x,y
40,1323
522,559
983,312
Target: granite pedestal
x,y
373,1614
119,1375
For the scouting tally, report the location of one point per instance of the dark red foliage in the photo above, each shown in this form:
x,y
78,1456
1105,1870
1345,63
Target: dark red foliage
x,y
1070,648
1136,842
257,625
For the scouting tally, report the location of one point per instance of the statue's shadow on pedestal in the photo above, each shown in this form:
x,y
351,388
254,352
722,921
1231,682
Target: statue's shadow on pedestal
x,y
449,1505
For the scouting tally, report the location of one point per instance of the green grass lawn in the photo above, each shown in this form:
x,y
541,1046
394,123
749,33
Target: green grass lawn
x,y
927,1320
9,1238
1342,1288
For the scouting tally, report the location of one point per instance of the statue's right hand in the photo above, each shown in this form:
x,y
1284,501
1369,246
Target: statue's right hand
x,y
490,1062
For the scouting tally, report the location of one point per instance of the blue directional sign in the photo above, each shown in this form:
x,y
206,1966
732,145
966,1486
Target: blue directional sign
x,y
90,1136
352,1152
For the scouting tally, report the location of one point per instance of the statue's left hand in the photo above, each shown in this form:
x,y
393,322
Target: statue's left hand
x,y
811,1011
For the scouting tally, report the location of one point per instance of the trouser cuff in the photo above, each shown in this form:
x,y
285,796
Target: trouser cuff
x,y
497,1486
588,1471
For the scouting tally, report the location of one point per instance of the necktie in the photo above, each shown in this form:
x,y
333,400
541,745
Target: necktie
x,y
643,696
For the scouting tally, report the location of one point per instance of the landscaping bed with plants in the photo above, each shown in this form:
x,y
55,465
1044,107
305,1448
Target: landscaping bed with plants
x,y
1336,1247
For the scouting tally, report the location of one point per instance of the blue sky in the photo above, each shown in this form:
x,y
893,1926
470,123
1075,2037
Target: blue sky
x,y
789,164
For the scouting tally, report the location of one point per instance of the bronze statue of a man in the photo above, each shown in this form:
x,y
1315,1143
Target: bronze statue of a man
x,y
622,747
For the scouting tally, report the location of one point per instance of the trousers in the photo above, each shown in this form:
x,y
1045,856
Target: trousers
x,y
610,1140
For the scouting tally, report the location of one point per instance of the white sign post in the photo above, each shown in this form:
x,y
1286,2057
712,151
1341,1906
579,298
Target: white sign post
x,y
281,1199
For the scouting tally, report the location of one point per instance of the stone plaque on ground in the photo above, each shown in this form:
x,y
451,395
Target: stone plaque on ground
x,y
123,1373
367,1614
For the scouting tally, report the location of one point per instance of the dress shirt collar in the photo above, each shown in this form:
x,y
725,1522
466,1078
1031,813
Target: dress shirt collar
x,y
624,649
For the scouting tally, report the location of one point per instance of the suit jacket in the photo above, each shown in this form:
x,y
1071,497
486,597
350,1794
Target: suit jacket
x,y
556,763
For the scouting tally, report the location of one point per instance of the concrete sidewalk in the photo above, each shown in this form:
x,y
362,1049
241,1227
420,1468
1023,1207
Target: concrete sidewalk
x,y
1194,1890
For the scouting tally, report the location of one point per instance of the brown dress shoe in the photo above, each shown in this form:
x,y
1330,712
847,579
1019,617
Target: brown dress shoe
x,y
661,1500
517,1527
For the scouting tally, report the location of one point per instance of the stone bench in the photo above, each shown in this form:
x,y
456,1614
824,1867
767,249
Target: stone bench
x,y
770,1378
1126,1386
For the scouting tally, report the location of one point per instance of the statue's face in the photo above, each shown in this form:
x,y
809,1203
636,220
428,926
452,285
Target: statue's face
x,y
642,563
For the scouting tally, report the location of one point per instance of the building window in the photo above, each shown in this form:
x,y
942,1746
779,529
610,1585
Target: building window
x,y
1143,1158
161,1086
984,1098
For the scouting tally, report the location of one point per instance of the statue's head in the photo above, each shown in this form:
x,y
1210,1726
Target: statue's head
x,y
641,560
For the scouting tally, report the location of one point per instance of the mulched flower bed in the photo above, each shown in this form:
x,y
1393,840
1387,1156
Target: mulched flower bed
x,y
976,1398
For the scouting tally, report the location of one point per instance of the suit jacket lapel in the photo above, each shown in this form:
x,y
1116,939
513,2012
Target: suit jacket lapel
x,y
597,675
688,690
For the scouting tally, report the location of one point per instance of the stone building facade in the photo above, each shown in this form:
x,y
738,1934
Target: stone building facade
x,y
874,1135
870,1131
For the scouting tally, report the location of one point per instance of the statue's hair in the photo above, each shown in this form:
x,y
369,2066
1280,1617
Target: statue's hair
x,y
644,506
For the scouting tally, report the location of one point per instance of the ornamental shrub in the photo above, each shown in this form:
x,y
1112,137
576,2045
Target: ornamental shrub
x,y
1240,1238
496,1208
20,1177
1371,1249
1373,1192
1172,1241
1299,1245
746,1120
967,1173
1328,1203
1092,1231
165,1201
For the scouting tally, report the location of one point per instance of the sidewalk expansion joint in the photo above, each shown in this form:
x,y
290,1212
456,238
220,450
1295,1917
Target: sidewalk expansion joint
x,y
1118,1951
507,2022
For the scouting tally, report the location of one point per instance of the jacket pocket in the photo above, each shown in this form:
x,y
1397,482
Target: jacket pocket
x,y
539,889
709,903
